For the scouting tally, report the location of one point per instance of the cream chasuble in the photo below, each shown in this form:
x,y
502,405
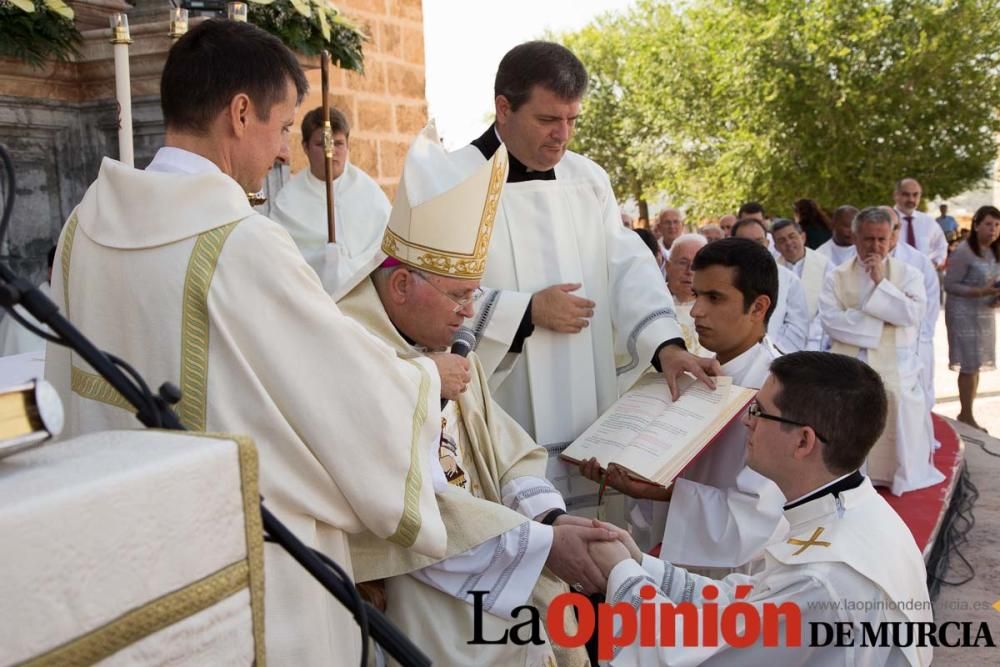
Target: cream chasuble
x,y
879,324
568,230
496,476
851,547
175,273
361,211
811,271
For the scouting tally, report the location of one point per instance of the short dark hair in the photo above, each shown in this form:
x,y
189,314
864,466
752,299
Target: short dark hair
x,y
218,59
781,223
546,64
313,121
743,222
840,397
982,213
750,207
756,272
845,210
650,240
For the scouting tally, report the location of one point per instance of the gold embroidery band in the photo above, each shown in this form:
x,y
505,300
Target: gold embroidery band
x,y
194,326
96,388
146,620
409,523
67,252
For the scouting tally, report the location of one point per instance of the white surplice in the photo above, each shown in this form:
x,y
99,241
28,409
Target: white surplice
x,y
568,230
361,211
932,285
171,269
722,513
788,327
837,254
927,234
902,457
863,567
811,270
14,338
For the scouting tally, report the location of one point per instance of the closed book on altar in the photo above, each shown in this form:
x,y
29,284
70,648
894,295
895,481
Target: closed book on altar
x,y
654,438
132,548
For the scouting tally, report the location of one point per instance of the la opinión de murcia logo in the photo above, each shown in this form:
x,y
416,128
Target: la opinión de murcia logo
x,y
738,624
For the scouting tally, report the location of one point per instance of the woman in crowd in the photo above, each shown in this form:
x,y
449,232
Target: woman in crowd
x,y
814,222
973,286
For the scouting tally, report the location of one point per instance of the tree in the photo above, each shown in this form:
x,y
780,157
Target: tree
x,y
829,99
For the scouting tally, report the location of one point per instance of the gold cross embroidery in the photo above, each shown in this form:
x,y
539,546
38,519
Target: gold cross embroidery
x,y
811,542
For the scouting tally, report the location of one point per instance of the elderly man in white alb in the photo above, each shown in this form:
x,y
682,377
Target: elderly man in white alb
x,y
577,309
810,267
872,308
840,247
919,230
172,269
680,279
508,532
360,207
788,327
811,426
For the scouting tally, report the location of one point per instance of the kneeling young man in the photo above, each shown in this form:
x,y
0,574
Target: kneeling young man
x,y
811,428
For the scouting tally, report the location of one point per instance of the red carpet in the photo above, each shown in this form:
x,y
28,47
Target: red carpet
x,y
924,510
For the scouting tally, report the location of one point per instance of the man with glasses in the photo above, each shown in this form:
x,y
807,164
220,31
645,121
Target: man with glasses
x,y
872,308
505,521
721,513
847,559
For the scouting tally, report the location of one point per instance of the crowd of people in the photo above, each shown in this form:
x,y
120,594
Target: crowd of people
x,y
429,475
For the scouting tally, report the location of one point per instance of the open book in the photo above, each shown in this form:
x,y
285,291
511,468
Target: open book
x,y
654,438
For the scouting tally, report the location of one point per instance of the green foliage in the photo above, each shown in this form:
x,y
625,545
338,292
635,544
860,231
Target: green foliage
x,y
304,34
37,36
720,101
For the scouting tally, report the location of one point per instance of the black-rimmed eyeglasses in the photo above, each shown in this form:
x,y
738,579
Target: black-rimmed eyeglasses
x,y
755,411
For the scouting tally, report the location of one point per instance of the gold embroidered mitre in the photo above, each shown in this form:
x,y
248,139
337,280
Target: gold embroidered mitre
x,y
442,219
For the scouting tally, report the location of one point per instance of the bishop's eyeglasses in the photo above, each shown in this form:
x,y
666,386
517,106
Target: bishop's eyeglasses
x,y
755,411
460,303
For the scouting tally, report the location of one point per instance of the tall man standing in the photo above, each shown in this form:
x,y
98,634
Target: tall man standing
x,y
919,229
564,270
218,299
872,308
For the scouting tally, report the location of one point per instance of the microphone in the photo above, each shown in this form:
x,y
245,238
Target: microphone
x,y
463,343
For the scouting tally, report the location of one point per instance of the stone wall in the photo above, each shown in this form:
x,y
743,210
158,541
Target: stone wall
x,y
60,121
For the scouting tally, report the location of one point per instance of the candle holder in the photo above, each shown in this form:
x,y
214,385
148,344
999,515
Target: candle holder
x,y
237,11
119,29
178,22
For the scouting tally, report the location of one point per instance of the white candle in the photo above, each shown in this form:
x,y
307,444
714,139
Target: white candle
x,y
237,11
178,22
123,87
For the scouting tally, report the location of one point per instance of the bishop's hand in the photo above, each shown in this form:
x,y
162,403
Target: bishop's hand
x,y
569,558
454,372
554,308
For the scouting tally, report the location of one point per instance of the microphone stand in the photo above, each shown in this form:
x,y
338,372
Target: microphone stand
x,y
155,412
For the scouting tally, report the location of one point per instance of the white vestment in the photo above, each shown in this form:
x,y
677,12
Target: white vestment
x,y
788,327
932,285
14,338
928,235
880,324
568,230
811,271
172,270
361,211
861,553
837,254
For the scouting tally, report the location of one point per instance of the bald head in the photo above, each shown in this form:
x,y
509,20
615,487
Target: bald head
x,y
907,195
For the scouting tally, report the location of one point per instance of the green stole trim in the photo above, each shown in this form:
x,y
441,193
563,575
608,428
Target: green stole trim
x,y
409,524
194,330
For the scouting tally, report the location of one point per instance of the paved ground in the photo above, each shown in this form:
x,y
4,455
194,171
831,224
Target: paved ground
x,y
957,603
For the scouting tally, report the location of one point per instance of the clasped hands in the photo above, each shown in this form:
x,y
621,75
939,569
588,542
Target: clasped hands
x,y
584,551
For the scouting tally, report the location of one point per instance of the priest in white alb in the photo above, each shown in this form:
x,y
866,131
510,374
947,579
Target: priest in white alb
x,y
872,308
811,427
508,533
171,269
360,207
721,513
811,268
577,309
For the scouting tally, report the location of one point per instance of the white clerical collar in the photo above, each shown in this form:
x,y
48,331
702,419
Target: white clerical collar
x,y
737,366
173,160
820,488
319,182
